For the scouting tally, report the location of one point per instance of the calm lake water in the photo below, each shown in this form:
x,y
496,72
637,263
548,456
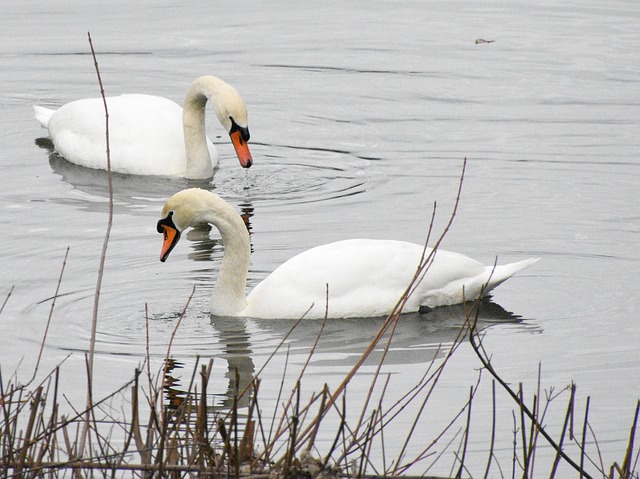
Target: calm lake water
x,y
360,119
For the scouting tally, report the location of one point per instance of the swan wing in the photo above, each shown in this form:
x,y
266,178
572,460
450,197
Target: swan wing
x,y
145,134
366,278
360,278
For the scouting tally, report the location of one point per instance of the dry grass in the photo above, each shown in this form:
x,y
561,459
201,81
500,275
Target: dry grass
x,y
177,432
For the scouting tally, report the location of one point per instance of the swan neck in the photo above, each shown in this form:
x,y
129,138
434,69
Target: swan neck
x,y
199,163
228,297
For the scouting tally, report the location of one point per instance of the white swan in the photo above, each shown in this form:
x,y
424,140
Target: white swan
x,y
365,277
150,135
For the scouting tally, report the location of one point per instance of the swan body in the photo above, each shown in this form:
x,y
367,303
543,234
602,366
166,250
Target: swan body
x,y
362,277
149,135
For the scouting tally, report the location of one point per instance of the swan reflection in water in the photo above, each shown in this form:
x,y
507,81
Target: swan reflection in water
x,y
247,344
277,180
130,192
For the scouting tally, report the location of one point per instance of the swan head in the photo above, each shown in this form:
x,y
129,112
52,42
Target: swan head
x,y
232,114
230,110
182,210
195,206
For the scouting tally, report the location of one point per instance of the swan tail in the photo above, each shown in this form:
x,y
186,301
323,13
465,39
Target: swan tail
x,y
471,288
43,115
499,274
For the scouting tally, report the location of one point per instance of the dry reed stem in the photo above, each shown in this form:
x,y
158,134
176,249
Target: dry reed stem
x,y
523,430
533,436
269,358
401,469
584,434
6,299
94,321
266,454
384,422
484,359
44,337
379,422
565,426
342,414
323,405
287,404
466,433
492,442
376,374
626,469
432,380
53,304
174,332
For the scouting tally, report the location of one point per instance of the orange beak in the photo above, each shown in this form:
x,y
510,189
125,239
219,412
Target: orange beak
x,y
171,236
242,149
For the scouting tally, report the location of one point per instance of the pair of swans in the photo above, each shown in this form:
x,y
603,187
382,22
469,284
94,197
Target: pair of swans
x,y
150,135
365,277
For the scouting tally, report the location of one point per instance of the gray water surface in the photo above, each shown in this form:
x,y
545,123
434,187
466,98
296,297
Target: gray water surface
x,y
360,119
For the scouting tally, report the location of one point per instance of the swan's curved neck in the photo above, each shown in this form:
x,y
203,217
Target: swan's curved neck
x,y
228,297
193,121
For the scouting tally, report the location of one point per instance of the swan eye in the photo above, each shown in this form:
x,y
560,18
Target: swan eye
x,y
168,221
244,130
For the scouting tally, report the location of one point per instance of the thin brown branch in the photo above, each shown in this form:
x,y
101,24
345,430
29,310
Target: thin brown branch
x,y
53,304
175,329
565,427
467,431
626,465
103,255
492,442
6,299
584,435
489,367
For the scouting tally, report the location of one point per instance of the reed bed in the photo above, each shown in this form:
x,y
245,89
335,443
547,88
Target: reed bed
x,y
171,430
